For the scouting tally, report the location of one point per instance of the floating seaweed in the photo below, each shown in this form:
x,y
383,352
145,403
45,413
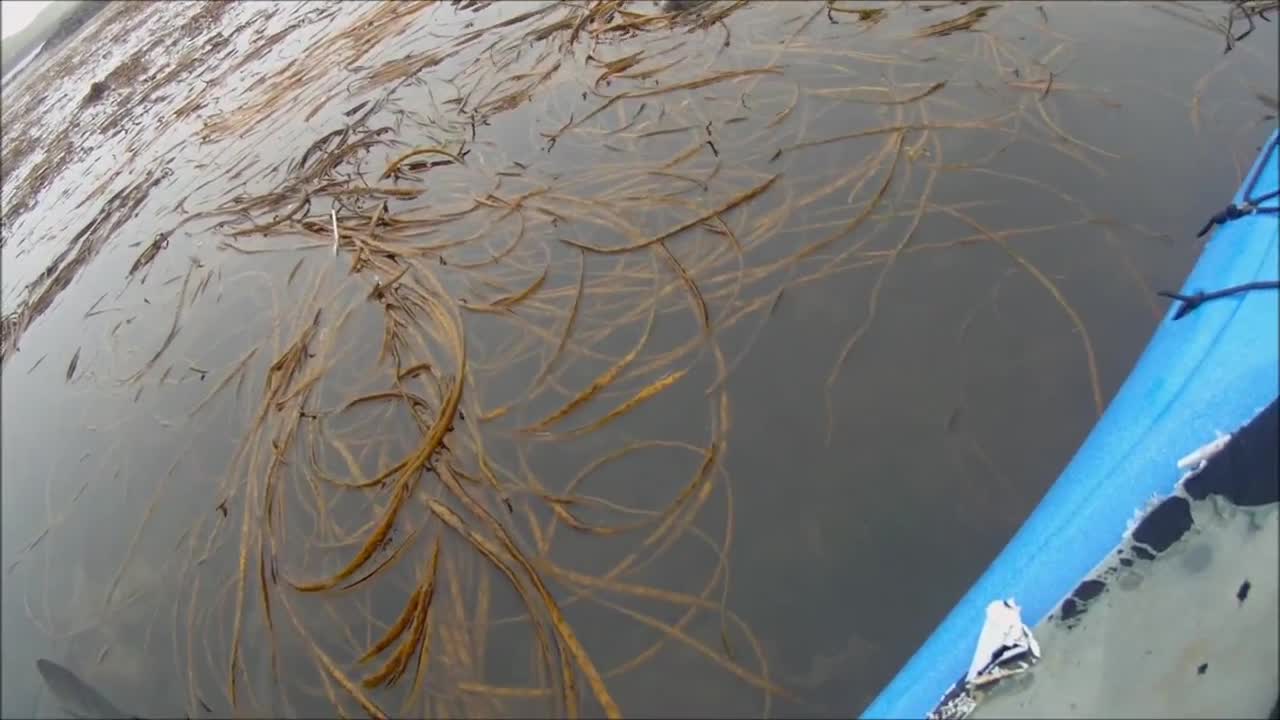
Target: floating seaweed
x,y
501,242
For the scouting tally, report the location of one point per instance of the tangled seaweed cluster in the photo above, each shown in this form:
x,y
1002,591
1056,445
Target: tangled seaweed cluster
x,y
516,244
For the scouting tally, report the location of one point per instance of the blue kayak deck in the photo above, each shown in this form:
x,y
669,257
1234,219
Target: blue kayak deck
x,y
1211,371
1181,621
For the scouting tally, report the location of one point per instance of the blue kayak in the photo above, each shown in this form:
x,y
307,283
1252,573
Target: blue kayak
x,y
1210,370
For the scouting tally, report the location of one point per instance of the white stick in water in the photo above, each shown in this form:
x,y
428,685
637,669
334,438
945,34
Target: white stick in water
x,y
333,215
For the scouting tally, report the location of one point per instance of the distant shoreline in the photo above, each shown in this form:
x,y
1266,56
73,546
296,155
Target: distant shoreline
x,y
48,31
12,74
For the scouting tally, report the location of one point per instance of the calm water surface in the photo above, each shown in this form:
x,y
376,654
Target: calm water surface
x,y
908,331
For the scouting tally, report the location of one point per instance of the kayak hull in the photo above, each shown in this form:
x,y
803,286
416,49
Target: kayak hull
x,y
1207,373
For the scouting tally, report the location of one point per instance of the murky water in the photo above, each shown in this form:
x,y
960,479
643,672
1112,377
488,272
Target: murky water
x,y
899,275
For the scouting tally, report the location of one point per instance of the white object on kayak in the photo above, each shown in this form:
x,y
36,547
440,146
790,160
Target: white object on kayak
x,y
1005,647
1195,460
